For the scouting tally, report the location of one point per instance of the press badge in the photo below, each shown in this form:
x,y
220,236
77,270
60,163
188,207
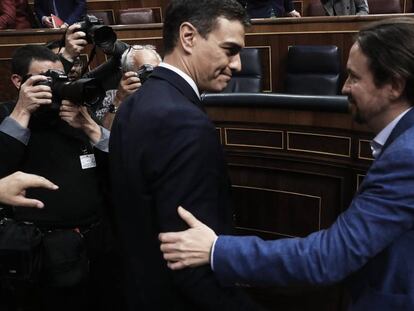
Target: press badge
x,y
87,161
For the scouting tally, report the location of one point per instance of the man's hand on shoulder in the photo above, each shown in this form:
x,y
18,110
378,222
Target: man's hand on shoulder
x,y
31,97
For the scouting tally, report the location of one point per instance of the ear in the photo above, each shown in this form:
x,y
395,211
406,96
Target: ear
x,y
187,36
397,88
16,80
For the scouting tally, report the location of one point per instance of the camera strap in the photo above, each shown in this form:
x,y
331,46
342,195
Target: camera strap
x,y
91,57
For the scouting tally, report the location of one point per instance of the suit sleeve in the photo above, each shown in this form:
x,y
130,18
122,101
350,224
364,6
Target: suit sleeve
x,y
288,6
12,151
78,12
380,213
39,11
188,173
361,7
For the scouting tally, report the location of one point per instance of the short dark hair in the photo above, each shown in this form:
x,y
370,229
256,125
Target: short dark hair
x,y
389,47
202,14
25,55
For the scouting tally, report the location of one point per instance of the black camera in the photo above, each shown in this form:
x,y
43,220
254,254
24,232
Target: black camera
x,y
102,36
144,72
86,92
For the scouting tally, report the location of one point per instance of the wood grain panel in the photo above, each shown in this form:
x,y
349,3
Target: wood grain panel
x,y
254,138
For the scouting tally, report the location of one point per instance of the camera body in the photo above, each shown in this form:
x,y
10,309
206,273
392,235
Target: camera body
x,y
144,72
102,36
86,92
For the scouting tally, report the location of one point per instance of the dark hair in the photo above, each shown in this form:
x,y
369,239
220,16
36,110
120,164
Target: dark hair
x,y
25,55
202,14
389,47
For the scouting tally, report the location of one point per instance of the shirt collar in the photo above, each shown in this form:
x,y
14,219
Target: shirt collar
x,y
379,140
182,74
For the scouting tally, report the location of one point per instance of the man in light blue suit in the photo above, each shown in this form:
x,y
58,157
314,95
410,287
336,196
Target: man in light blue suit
x,y
374,238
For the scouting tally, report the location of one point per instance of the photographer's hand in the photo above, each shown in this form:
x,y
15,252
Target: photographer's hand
x,y
78,117
31,97
75,42
13,189
129,84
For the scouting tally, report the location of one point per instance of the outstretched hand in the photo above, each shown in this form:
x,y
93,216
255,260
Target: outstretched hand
x,y
13,189
189,248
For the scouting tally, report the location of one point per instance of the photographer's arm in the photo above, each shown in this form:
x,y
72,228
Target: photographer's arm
x,y
128,85
78,117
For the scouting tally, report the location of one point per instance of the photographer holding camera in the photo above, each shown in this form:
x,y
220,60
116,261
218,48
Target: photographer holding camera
x,y
44,133
91,31
137,64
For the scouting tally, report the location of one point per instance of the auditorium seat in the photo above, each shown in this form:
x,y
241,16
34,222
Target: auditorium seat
x,y
313,70
136,16
249,79
106,16
384,6
315,9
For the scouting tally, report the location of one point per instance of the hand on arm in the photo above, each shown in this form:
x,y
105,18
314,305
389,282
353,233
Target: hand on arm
x,y
13,189
31,97
78,117
190,248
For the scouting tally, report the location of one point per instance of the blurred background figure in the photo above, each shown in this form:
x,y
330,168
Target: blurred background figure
x,y
15,14
75,72
69,11
345,7
270,8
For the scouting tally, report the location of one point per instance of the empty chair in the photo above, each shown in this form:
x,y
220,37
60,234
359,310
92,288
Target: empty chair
x,y
313,70
249,79
384,6
136,16
107,17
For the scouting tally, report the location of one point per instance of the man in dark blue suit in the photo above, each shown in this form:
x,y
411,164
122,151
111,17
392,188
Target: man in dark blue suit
x,y
69,11
270,8
373,239
164,151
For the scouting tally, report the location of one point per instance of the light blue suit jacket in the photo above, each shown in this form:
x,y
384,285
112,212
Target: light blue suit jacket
x,y
372,242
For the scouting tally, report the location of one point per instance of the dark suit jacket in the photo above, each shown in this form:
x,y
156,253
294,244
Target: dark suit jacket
x,y
263,8
164,152
70,11
373,239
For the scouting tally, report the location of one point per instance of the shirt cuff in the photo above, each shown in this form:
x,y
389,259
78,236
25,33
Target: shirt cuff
x,y
103,143
212,254
12,128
